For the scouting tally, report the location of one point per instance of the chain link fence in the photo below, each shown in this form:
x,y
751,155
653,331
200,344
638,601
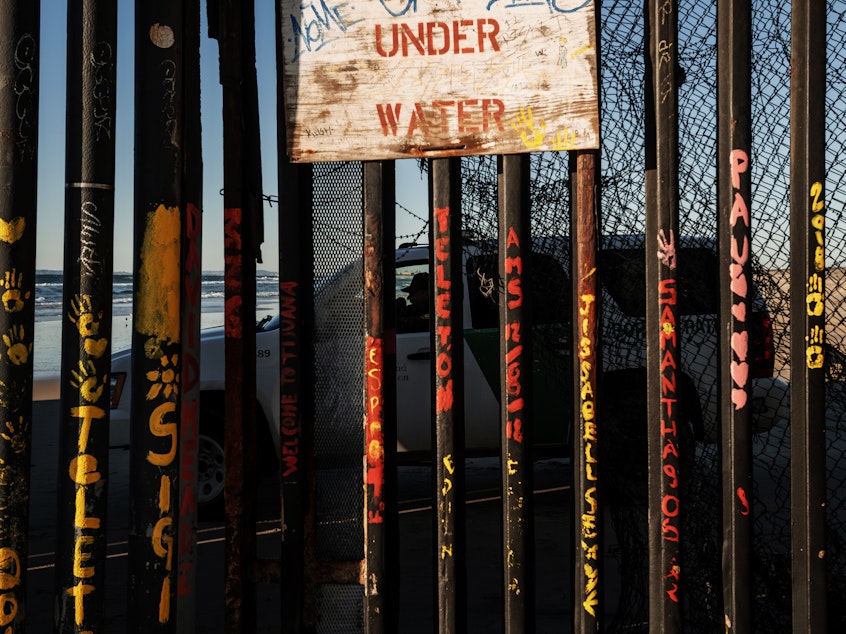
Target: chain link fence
x,y
623,213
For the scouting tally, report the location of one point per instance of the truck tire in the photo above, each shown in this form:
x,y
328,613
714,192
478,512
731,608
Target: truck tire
x,y
210,463
211,469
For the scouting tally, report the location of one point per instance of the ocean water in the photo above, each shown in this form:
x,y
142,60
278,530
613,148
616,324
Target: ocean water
x,y
48,312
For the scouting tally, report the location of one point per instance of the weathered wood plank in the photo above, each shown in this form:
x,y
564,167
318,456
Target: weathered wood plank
x,y
407,78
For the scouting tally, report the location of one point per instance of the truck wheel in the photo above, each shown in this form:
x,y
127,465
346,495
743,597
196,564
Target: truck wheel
x,y
211,455
210,465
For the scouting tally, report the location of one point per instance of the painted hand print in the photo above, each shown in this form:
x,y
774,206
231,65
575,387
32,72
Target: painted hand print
x,y
14,297
667,249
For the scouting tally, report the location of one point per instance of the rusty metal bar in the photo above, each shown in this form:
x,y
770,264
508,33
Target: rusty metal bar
x,y
19,66
374,381
156,337
734,186
380,504
662,343
242,204
192,276
807,310
516,393
588,523
296,365
87,318
447,358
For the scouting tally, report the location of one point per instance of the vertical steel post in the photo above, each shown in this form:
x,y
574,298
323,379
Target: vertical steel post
x,y
587,526
87,318
192,276
516,392
662,343
587,518
380,503
734,186
157,326
242,204
296,379
19,63
447,358
296,363
807,314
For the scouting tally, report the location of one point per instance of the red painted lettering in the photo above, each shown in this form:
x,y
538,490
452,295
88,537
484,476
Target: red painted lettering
x,y
515,289
443,398
670,506
389,116
667,287
670,472
464,116
438,38
514,430
442,301
444,365
441,280
444,334
512,332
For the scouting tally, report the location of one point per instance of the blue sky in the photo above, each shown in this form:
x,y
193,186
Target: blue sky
x,y
50,241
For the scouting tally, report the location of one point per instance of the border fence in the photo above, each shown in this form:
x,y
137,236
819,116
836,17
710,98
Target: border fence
x,y
662,316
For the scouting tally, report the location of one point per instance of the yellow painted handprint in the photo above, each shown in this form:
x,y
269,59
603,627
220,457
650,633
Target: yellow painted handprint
x,y
83,316
524,123
17,435
17,350
12,298
90,388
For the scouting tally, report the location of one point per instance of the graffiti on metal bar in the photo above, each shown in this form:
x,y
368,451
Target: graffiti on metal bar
x,y
158,318
287,364
590,532
443,370
513,357
83,468
443,304
232,260
739,221
190,408
373,433
515,402
815,354
26,52
89,238
667,299
15,431
102,59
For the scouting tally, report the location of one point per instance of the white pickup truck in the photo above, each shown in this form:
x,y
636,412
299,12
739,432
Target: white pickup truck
x,y
623,353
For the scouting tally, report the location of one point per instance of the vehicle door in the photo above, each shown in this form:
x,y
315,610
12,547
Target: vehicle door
x,y
414,371
549,294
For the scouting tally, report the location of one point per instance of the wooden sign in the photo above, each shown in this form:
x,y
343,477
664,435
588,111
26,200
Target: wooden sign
x,y
377,79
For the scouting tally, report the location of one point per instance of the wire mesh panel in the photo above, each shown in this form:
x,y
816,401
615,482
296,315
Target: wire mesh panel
x,y
339,411
622,261
623,213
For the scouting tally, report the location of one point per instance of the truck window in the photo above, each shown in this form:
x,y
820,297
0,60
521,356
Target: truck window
x,y
412,298
624,277
549,290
